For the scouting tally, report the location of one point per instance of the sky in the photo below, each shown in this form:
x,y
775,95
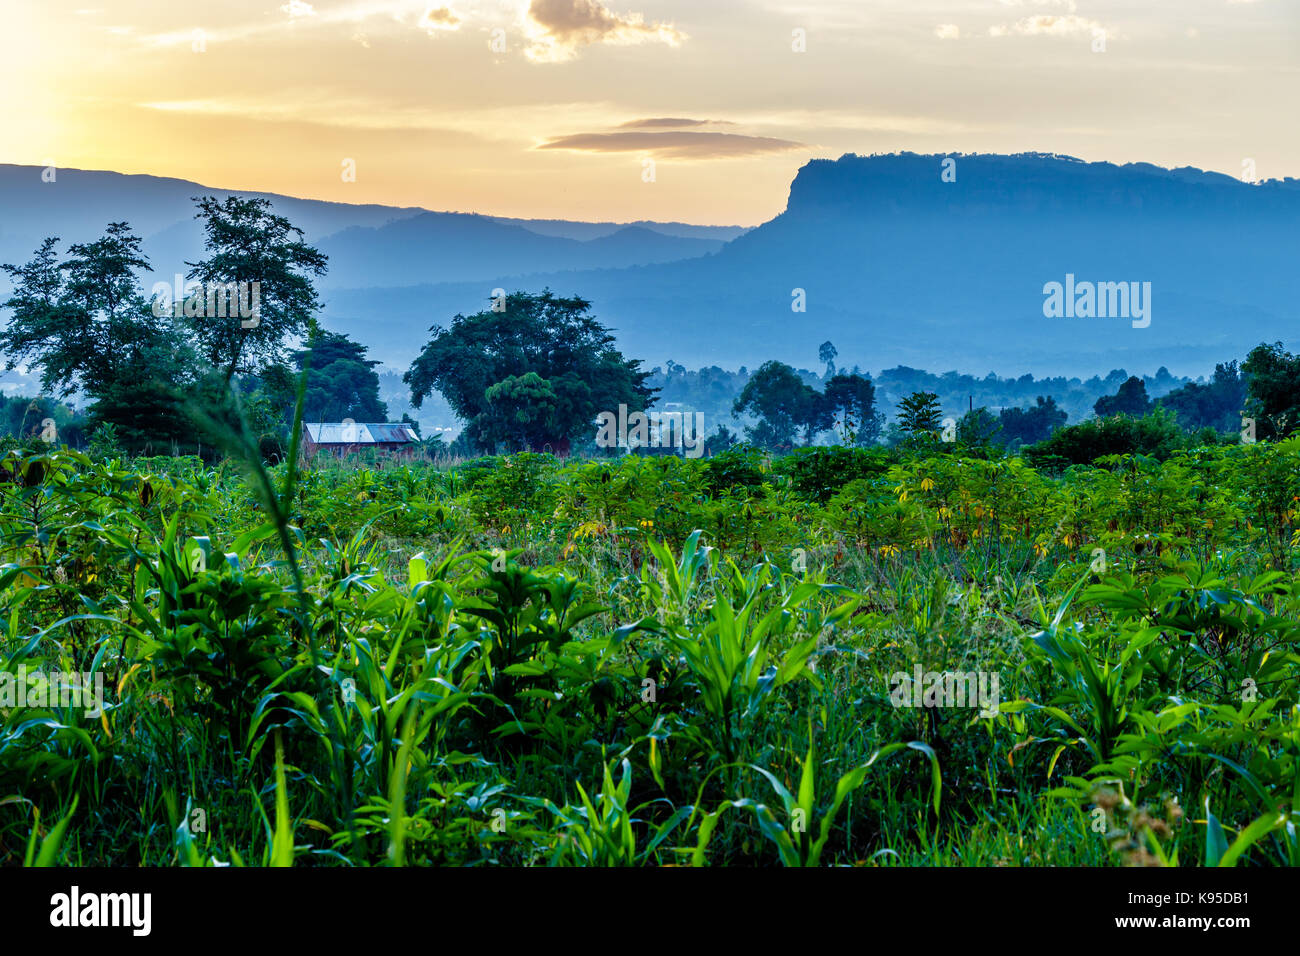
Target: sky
x,y
700,111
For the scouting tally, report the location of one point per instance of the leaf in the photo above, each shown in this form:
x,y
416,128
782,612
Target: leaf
x,y
1216,844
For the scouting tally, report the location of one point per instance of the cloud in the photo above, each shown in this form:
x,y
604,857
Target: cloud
x,y
680,144
439,18
558,29
1046,25
298,8
947,31
671,123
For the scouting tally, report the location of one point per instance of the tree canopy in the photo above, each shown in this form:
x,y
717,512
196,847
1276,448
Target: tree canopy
x,y
341,381
248,243
784,405
84,323
1025,426
1131,400
1273,376
576,371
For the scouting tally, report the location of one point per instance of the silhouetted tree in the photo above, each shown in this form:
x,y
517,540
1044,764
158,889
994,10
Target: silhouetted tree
x,y
1131,400
827,353
1024,426
1216,405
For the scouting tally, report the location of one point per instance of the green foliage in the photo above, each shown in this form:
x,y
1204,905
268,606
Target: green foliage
x,y
341,381
85,324
1156,434
1273,382
784,405
247,242
978,431
645,661
1217,405
819,473
851,401
919,416
1026,426
541,349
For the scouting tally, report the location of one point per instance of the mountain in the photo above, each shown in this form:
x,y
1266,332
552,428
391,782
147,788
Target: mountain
x,y
898,266
595,230
367,244
78,204
436,247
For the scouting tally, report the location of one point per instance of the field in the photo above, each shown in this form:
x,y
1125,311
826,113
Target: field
x,y
652,660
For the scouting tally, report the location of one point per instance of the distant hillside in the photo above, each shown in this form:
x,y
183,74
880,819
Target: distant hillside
x,y
595,230
368,244
899,267
446,247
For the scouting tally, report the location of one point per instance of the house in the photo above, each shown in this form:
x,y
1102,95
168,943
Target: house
x,y
392,439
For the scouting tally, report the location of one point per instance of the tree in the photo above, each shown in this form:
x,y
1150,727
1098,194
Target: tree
x,y
341,381
1273,390
85,324
1131,400
1025,426
247,243
721,439
919,415
978,429
1216,405
784,404
523,410
851,401
555,338
827,353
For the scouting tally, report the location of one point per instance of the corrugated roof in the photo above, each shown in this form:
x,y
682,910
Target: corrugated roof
x,y
358,433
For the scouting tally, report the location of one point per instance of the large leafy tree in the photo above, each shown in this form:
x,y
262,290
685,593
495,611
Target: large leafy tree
x,y
1273,377
84,323
577,372
341,381
248,243
851,400
524,410
784,405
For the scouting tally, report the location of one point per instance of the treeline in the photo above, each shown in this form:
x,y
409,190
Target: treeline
x,y
1258,400
167,372
712,389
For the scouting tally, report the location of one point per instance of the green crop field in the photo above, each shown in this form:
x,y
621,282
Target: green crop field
x,y
832,657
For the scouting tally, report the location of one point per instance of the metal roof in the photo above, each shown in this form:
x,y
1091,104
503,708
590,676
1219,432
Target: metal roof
x,y
359,433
